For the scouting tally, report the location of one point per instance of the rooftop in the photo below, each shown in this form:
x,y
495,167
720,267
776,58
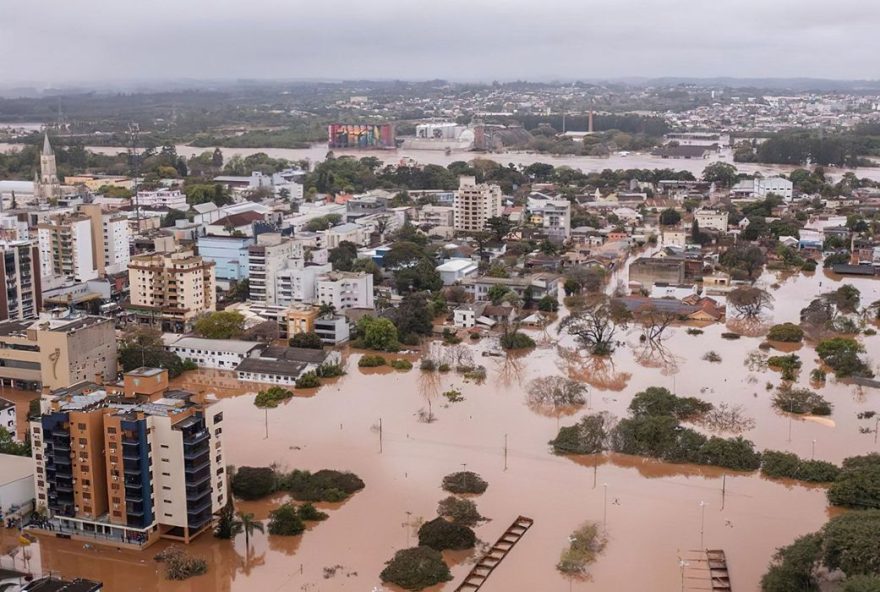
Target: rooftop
x,y
215,345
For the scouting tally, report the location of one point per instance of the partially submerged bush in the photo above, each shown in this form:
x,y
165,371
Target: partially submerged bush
x,y
428,365
858,485
789,365
310,513
801,401
516,340
330,370
459,511
693,331
655,401
401,364
585,545
416,568
786,332
711,356
308,380
588,436
272,397
371,361
286,521
453,396
841,354
464,482
789,466
730,336
251,483
441,534
180,565
322,486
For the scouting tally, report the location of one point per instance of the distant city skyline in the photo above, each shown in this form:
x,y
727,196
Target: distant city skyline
x,y
55,43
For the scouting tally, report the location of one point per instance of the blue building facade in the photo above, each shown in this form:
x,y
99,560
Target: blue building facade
x,y
230,255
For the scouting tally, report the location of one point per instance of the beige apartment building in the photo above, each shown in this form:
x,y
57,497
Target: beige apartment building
x,y
111,238
66,248
171,289
56,351
473,204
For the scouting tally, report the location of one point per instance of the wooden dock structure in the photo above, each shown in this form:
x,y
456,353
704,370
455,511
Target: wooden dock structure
x,y
705,571
485,566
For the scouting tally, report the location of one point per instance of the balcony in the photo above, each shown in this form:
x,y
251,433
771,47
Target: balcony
x,y
134,495
195,451
200,507
195,467
131,469
196,437
196,492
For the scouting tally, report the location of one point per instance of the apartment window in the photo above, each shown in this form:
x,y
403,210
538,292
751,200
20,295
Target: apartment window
x,y
163,445
84,468
86,482
218,417
164,460
167,488
40,484
166,474
83,441
81,426
167,501
87,496
116,500
87,509
39,457
167,515
220,471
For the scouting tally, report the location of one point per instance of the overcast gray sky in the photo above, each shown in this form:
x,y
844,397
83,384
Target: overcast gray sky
x,y
55,41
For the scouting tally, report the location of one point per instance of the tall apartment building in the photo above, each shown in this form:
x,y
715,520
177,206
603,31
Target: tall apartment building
x,y
171,289
299,284
474,204
129,467
111,238
343,290
272,254
21,295
66,248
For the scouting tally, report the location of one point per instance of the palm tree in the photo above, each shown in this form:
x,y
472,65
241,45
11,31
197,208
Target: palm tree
x,y
248,524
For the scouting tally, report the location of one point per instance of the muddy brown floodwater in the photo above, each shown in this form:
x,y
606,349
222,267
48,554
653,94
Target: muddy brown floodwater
x,y
653,509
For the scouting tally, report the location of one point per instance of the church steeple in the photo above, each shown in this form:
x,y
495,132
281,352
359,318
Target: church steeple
x,y
48,184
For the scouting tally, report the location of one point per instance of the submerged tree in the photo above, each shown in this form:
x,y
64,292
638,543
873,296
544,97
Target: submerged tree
x,y
595,326
555,394
749,301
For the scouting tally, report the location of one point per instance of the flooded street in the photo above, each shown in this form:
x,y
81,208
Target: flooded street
x,y
653,509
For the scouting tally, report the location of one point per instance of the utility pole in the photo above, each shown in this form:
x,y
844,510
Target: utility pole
x,y
380,435
505,452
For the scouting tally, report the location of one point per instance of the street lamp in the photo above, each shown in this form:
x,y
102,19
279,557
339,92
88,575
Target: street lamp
x,y
702,522
813,450
605,508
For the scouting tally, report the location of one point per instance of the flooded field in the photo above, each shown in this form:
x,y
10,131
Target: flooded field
x,y
634,160
651,510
